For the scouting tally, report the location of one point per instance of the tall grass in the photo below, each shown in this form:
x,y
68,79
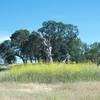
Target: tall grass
x,y
48,73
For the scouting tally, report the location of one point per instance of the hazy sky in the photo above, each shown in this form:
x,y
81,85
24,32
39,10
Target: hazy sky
x,y
21,14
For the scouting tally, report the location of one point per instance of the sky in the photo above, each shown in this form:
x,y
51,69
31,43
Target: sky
x,y
30,14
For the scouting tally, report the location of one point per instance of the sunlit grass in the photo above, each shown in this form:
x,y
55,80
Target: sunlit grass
x,y
48,73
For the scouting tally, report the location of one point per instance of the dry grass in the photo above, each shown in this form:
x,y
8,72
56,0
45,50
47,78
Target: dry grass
x,y
61,91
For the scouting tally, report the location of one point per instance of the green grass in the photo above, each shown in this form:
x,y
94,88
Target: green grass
x,y
51,73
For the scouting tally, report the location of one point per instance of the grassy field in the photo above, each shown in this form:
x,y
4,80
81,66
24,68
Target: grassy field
x,y
52,73
50,82
66,91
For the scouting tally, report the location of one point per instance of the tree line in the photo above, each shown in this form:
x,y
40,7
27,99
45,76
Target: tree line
x,y
53,42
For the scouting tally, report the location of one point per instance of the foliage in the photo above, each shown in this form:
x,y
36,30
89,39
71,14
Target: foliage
x,y
54,41
18,39
7,53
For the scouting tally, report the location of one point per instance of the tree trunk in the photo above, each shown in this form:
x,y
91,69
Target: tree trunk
x,y
67,58
31,59
49,54
48,47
